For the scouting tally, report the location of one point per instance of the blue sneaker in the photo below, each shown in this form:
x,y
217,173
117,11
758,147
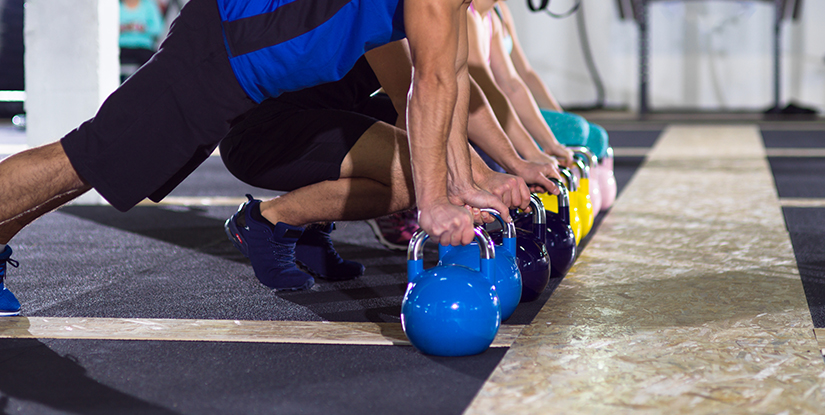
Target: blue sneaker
x,y
9,306
315,254
271,249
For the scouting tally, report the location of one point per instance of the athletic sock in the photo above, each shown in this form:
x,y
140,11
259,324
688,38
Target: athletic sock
x,y
256,214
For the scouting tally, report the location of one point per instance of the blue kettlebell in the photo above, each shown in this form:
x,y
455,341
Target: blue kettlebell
x,y
533,259
507,276
451,310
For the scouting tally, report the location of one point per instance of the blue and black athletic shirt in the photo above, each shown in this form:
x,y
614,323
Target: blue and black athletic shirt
x,y
277,46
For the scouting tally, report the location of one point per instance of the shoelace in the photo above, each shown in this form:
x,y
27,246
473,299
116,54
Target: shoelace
x,y
3,268
280,260
328,242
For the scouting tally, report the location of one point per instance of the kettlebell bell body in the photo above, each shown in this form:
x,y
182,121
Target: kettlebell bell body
x,y
607,180
508,277
533,258
576,223
582,194
451,310
594,189
559,238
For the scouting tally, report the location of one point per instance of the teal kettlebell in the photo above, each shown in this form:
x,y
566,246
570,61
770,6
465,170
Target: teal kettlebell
x,y
507,276
451,310
570,129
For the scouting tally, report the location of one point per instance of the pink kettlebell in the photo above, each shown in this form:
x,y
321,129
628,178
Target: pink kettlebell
x,y
606,179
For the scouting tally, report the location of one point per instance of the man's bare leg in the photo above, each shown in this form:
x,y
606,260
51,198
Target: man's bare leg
x,y
375,180
37,181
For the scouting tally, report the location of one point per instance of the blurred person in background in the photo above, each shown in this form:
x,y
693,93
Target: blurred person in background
x,y
141,24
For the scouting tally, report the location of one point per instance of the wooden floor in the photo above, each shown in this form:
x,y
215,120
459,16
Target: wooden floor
x,y
687,300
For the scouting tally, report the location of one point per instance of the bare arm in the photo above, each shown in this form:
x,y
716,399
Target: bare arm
x,y
391,65
436,114
508,79
507,118
511,189
485,131
537,87
393,68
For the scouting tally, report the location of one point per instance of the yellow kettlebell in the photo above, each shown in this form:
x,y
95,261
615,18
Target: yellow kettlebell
x,y
583,193
551,203
593,182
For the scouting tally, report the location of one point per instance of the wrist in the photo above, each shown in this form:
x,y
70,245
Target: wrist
x,y
481,173
536,157
519,168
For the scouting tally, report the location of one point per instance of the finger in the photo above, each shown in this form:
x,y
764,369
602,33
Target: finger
x,y
552,171
504,210
457,238
537,189
477,218
505,197
551,187
468,235
525,196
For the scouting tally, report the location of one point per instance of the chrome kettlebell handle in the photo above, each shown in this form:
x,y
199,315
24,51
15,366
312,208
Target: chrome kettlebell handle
x,y
508,230
572,182
539,214
584,167
584,151
587,157
564,200
415,250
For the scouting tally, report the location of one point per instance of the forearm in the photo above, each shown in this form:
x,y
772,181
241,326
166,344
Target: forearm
x,y
458,154
528,112
484,130
505,115
430,108
539,90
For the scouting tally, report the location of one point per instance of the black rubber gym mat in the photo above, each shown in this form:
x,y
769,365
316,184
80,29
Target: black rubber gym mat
x,y
807,230
151,377
799,176
793,138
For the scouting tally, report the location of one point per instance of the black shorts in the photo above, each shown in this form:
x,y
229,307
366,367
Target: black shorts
x,y
290,146
166,119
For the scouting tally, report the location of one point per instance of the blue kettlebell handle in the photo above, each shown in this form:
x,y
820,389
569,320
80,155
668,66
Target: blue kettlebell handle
x,y
508,231
415,255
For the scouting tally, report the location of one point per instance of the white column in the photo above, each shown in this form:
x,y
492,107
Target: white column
x,y
72,65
